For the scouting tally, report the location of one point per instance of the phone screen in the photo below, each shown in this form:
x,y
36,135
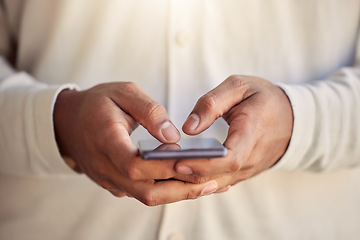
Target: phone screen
x,y
185,148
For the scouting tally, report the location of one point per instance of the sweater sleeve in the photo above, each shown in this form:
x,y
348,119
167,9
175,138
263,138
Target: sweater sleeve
x,y
326,130
27,143
27,139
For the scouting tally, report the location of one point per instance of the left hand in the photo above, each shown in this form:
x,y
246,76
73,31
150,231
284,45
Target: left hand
x,y
260,121
93,128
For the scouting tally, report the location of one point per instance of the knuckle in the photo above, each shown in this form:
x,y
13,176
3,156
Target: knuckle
x,y
132,172
244,85
154,111
149,199
235,166
129,88
106,184
203,179
196,179
99,167
118,194
209,100
236,80
239,83
191,194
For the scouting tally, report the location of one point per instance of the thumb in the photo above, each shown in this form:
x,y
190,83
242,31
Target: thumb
x,y
215,104
150,114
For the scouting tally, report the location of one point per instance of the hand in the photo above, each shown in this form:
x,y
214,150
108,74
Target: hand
x,y
260,121
93,128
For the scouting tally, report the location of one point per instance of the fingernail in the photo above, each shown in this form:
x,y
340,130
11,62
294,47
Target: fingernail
x,y
169,131
184,170
192,121
210,188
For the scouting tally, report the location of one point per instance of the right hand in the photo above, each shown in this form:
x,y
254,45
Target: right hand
x,y
93,128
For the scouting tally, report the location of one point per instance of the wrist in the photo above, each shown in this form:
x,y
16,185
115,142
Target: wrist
x,y
64,117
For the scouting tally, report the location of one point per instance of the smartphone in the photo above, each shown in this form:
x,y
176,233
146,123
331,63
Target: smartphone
x,y
185,148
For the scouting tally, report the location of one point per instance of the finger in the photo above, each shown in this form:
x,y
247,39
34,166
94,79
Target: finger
x,y
239,142
126,120
224,189
152,192
149,113
215,103
121,157
106,183
168,146
193,178
139,169
118,193
170,191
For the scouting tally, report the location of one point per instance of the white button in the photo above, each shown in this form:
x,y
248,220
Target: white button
x,y
184,39
176,236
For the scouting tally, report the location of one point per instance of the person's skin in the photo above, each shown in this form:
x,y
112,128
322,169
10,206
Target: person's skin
x,y
93,128
260,121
